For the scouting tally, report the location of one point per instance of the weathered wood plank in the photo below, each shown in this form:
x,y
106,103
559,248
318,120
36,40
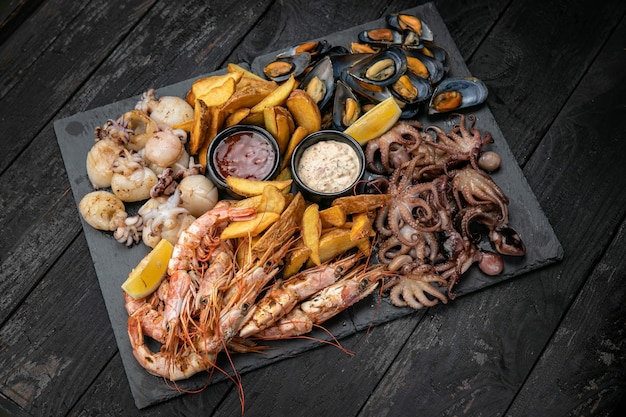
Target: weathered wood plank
x,y
38,84
13,13
47,363
563,172
583,369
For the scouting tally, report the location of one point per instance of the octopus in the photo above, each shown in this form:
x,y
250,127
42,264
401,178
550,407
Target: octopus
x,y
441,203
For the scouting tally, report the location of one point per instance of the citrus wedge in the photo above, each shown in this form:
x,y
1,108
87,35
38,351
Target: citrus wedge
x,y
146,277
375,122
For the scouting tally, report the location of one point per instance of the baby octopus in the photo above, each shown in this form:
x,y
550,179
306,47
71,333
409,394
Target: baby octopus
x,y
440,198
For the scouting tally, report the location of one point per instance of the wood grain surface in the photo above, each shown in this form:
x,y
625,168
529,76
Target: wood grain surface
x,y
548,343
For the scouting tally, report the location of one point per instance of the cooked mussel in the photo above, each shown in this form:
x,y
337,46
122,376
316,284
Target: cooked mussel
x,y
382,68
283,67
319,82
380,37
411,89
457,93
403,22
346,106
314,48
424,66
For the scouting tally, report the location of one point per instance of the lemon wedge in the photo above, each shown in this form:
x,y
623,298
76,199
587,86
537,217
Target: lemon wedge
x,y
146,277
375,122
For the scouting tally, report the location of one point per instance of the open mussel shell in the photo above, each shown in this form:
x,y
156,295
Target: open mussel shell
x,y
371,92
314,48
382,68
437,52
405,22
380,37
341,62
346,106
319,82
457,93
411,89
282,68
424,66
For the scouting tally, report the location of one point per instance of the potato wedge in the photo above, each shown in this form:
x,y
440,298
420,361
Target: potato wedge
x,y
361,225
238,68
218,95
277,97
253,202
298,134
295,259
272,200
269,119
246,97
285,126
216,122
202,86
186,126
201,122
248,187
304,110
336,242
247,82
311,231
254,119
250,228
361,203
288,223
333,216
236,117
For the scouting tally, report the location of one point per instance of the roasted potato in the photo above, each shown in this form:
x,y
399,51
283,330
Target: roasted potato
x,y
248,187
311,231
288,224
272,200
295,259
304,110
249,228
361,203
298,134
202,86
278,97
333,216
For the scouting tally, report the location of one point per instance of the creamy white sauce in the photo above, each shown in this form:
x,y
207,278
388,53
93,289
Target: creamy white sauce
x,y
329,166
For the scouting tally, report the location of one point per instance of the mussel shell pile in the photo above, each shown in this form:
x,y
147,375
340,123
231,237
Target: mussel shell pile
x,y
400,60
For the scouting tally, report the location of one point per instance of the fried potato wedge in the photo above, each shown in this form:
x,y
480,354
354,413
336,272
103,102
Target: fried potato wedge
x,y
361,225
252,202
333,216
186,126
201,122
251,227
336,242
311,231
361,203
254,119
304,110
248,187
278,97
236,117
220,94
295,259
202,86
272,200
216,122
288,224
238,68
246,98
298,134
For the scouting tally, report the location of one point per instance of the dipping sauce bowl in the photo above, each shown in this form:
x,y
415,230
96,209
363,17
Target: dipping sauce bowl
x,y
242,151
326,165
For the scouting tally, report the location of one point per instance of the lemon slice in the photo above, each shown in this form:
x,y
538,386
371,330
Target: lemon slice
x,y
146,276
375,122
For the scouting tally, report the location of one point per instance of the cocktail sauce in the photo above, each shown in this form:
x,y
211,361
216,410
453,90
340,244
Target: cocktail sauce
x,y
245,154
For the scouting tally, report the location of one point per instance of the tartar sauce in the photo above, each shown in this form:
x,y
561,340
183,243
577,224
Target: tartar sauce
x,y
329,166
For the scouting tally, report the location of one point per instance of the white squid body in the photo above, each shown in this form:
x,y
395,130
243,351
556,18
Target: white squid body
x,y
142,126
170,110
165,149
198,194
100,160
164,218
132,180
102,210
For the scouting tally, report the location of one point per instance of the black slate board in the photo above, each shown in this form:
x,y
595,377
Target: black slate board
x,y
113,261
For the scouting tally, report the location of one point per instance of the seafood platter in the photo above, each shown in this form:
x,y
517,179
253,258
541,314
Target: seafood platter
x,y
428,202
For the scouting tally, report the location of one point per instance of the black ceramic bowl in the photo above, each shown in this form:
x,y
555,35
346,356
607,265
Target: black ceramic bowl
x,y
242,151
321,187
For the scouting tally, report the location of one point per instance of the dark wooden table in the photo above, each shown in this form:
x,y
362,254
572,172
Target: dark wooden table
x,y
551,342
